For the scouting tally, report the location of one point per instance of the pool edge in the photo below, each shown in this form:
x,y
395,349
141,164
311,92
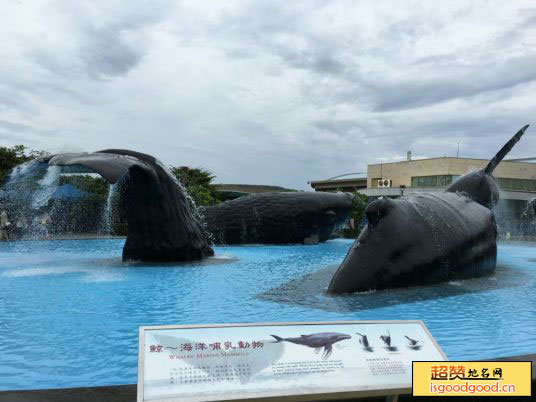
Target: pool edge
x,y
127,392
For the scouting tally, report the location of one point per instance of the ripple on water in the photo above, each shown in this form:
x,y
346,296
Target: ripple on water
x,y
70,310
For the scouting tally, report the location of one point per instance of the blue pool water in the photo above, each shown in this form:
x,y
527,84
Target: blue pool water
x,y
70,309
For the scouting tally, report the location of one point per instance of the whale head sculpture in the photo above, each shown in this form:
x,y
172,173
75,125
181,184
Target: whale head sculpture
x,y
427,237
161,226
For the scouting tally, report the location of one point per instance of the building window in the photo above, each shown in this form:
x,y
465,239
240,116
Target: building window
x,y
447,180
516,184
433,181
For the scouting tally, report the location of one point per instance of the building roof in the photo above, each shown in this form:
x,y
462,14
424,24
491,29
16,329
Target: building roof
x,y
513,176
251,188
520,161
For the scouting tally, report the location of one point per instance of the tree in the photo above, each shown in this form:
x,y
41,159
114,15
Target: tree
x,y
359,204
198,184
11,157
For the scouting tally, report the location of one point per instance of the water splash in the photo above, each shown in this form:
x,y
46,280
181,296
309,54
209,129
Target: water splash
x,y
108,210
190,204
40,204
528,219
47,186
22,178
21,170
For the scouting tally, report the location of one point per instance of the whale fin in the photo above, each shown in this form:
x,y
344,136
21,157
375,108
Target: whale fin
x,y
327,351
110,166
277,339
504,151
377,210
480,186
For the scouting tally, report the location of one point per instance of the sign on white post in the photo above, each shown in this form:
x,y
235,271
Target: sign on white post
x,y
263,360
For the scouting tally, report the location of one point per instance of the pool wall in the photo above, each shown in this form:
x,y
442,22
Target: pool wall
x,y
123,393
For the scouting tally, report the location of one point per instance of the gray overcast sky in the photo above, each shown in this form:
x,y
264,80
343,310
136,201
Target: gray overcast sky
x,y
269,92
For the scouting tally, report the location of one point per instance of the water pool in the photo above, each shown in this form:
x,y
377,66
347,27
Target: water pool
x,y
70,309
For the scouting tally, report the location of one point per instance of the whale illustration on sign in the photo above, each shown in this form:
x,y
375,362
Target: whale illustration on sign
x,y
317,341
413,343
364,341
387,340
427,238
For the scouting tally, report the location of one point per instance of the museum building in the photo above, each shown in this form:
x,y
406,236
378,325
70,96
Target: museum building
x,y
515,178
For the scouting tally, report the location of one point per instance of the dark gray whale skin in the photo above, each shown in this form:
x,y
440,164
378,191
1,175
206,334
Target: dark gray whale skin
x,y
161,226
277,218
426,238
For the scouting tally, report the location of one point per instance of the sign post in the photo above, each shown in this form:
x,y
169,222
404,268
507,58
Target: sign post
x,y
281,361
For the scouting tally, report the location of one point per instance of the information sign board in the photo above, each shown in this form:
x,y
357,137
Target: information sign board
x,y
263,360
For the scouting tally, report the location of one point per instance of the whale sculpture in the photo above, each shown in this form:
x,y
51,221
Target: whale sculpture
x,y
276,218
427,238
161,226
317,341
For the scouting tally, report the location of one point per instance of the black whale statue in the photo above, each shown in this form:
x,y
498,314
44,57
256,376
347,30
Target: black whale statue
x,y
161,226
427,238
278,218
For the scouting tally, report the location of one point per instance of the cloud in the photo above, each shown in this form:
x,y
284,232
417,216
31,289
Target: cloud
x,y
12,126
21,133
108,53
100,41
462,82
268,92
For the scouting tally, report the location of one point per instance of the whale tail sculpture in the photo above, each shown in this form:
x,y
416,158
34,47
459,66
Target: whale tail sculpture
x,y
427,238
161,226
492,164
480,186
160,223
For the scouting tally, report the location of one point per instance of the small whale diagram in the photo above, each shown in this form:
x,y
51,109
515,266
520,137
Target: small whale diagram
x,y
364,341
387,340
413,343
319,340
